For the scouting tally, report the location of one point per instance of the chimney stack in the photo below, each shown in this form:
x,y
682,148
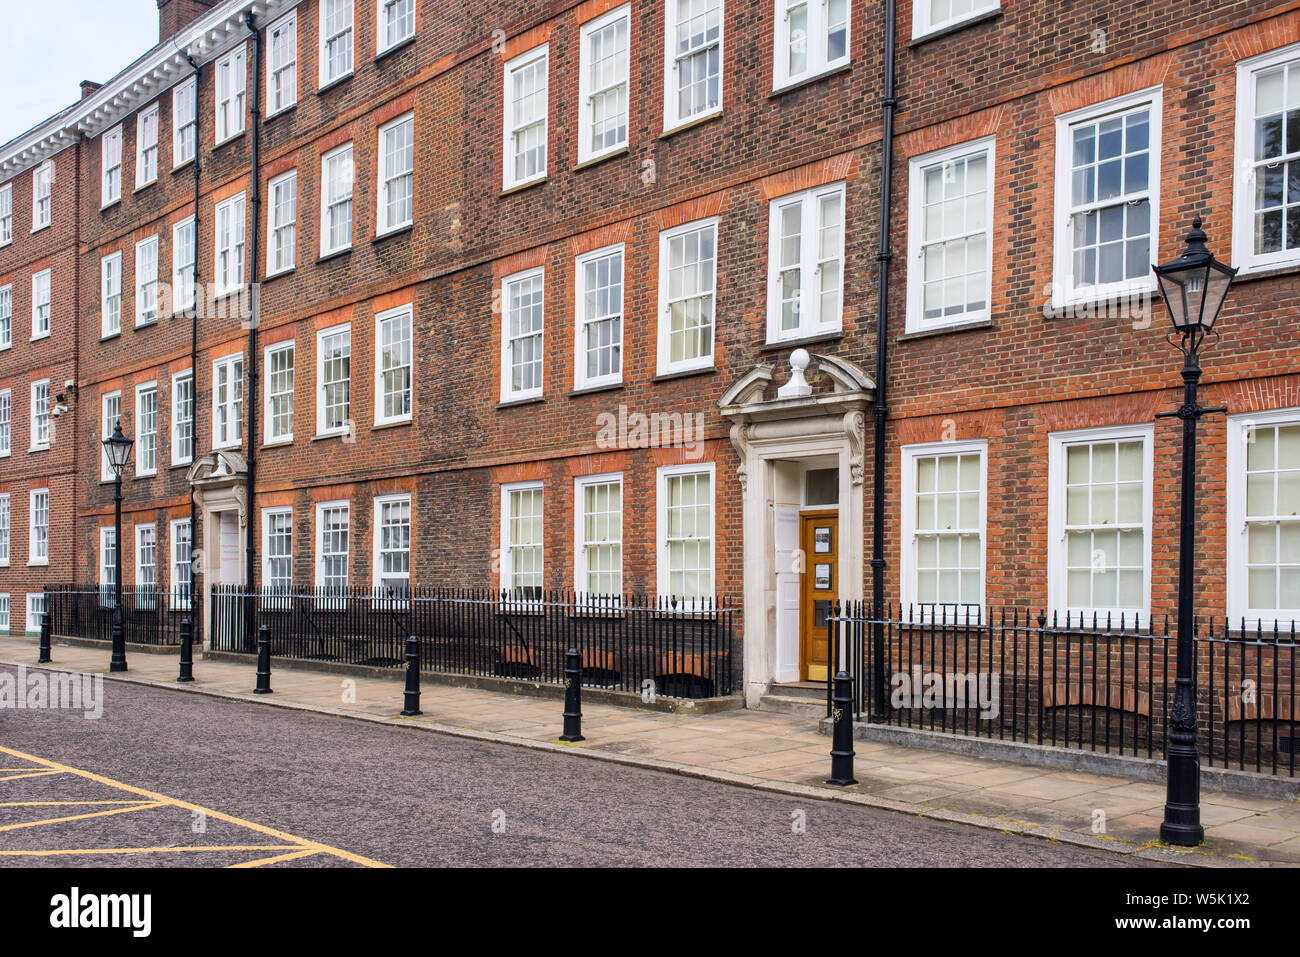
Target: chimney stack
x,y
88,87
175,15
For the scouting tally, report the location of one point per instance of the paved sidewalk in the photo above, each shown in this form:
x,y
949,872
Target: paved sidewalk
x,y
770,751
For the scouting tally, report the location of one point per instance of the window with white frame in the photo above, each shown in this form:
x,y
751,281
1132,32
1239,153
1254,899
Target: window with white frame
x,y
943,505
812,37
1264,518
4,528
931,16
35,612
183,417
950,236
6,316
110,405
38,539
183,262
41,308
685,533
107,565
110,147
333,380
6,214
335,40
282,224
231,87
146,281
396,23
603,85
279,393
182,571
332,530
392,563
598,535
282,64
522,300
393,366
227,401
146,146
146,429
692,60
6,421
1099,522
396,173
1266,202
229,244
806,263
688,262
40,415
185,120
146,566
337,180
4,614
1107,198
42,203
525,123
277,552
110,294
522,541
599,318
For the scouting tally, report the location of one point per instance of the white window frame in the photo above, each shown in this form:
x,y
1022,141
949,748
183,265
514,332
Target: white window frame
x,y
146,599
663,572
580,378
146,166
282,234
180,378
322,57
230,86
385,183
233,244
1058,443
327,202
672,117
6,423
106,430
381,319
141,391
6,316
1064,292
233,365
817,38
144,279
508,393
280,98
42,280
273,599
321,336
664,364
39,386
110,289
809,265
6,214
178,600
376,560
507,558
182,150
110,143
35,600
510,123
183,269
580,484
6,529
1238,592
289,346
107,569
6,619
585,91
42,191
924,24
908,531
34,557
381,30
916,240
321,509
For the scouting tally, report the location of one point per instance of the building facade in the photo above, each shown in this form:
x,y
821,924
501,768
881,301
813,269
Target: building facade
x,y
586,296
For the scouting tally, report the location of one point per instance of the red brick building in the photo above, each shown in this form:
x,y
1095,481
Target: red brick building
x,y
530,276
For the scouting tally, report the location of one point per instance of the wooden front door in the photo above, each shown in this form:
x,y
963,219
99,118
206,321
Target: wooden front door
x,y
819,534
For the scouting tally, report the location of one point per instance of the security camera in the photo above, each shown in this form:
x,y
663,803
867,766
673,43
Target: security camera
x,y
70,386
59,410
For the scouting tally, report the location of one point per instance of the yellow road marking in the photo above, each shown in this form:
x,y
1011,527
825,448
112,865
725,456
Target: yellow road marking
x,y
59,803
148,850
31,774
293,856
298,843
82,817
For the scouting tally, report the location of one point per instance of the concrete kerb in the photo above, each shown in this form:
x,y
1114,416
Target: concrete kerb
x,y
132,647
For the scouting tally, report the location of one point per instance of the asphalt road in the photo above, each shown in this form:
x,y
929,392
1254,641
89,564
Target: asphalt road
x,y
414,798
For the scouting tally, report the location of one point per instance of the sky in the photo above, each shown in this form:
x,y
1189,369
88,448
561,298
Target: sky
x,y
91,40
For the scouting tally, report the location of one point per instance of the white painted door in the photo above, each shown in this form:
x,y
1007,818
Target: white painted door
x,y
789,563
228,573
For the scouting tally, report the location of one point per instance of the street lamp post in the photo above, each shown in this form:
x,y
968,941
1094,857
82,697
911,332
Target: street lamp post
x,y
1194,287
117,448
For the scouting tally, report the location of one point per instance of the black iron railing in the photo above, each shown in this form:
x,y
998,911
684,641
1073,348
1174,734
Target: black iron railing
x,y
149,616
1093,683
639,643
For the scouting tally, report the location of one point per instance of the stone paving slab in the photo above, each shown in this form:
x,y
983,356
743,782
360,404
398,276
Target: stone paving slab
x,y
775,752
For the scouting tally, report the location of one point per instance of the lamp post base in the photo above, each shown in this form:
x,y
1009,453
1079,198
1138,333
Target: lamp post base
x,y
1178,834
117,662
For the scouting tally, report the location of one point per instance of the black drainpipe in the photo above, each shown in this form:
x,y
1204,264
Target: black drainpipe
x,y
888,104
194,328
250,393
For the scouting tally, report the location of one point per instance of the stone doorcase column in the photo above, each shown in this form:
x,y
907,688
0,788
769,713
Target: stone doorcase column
x,y
799,422
217,482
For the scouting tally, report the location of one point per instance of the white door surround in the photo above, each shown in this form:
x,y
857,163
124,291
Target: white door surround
x,y
799,423
221,496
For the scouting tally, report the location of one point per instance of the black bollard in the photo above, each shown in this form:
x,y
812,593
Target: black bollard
x,y
411,702
263,661
47,630
572,696
842,735
187,651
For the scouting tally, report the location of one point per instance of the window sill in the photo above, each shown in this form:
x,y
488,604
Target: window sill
x,y
38,448
1101,302
141,187
684,374
282,111
146,323
973,20
276,275
104,207
799,84
691,124
326,257
512,403
229,139
593,389
37,229
43,335
44,564
817,340
597,160
326,436
145,475
1267,272
395,424
944,330
520,187
338,81
394,232
180,166
277,443
389,51
180,465
108,337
